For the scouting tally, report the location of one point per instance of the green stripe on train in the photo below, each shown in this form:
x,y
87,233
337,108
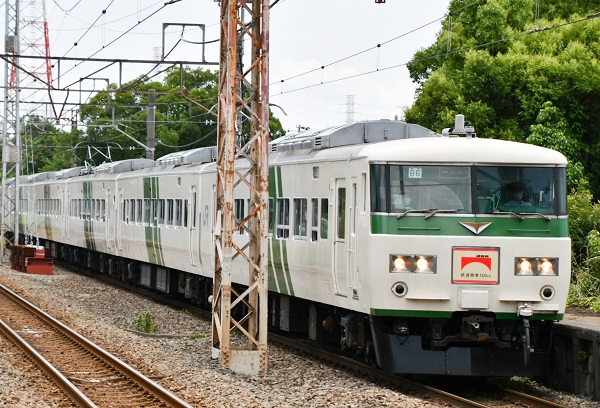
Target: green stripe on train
x,y
439,225
282,280
153,240
47,218
278,248
88,226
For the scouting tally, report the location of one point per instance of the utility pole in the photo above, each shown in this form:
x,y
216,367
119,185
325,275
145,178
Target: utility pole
x,y
151,125
251,255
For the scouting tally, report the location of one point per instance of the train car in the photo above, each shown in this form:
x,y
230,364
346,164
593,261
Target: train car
x,y
423,253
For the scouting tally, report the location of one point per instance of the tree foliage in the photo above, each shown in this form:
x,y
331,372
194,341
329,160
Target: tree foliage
x,y
528,76
185,115
45,148
495,63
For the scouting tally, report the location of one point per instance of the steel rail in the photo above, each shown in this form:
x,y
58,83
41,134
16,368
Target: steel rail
x,y
527,400
421,389
141,380
56,376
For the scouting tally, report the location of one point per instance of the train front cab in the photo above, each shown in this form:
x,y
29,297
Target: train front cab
x,y
472,289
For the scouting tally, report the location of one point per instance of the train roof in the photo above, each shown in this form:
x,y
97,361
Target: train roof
x,y
379,140
349,134
464,150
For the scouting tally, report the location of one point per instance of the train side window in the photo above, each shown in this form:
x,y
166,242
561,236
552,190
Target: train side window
x,y
283,217
314,226
170,211
341,230
378,188
131,210
139,212
271,216
88,211
146,218
194,209
300,212
178,212
324,217
154,212
238,208
186,208
363,186
161,212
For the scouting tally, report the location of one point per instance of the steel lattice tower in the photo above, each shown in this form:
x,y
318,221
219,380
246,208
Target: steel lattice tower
x,y
249,98
35,41
26,34
11,126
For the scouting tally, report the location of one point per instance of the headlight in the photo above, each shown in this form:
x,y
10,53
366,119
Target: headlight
x,y
413,263
536,266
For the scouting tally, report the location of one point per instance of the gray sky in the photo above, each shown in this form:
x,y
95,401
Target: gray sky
x,y
305,35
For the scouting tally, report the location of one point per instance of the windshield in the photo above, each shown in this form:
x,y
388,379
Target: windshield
x,y
521,190
467,189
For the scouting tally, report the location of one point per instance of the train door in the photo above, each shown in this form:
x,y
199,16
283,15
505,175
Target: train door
x,y
352,214
340,239
119,222
193,236
65,213
213,225
105,213
68,218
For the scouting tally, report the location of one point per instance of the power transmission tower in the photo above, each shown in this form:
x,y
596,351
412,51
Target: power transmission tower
x,y
35,40
252,103
350,109
26,34
11,126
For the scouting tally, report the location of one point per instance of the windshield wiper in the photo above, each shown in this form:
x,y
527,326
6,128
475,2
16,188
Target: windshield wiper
x,y
511,213
431,212
402,214
538,214
520,215
435,211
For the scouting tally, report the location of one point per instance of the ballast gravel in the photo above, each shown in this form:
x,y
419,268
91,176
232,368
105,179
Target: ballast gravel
x,y
179,356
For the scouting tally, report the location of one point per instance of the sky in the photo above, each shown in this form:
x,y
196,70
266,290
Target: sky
x,y
305,35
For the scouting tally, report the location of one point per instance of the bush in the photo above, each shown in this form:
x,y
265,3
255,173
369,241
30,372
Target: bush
x,y
145,323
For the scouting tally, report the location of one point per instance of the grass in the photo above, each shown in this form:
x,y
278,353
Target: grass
x,y
145,323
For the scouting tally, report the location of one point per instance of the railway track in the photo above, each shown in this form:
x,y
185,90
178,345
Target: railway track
x,y
502,397
86,373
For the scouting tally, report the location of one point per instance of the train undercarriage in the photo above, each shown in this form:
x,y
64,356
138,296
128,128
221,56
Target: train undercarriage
x,y
466,344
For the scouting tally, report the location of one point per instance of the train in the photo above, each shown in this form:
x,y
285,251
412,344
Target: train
x,y
420,252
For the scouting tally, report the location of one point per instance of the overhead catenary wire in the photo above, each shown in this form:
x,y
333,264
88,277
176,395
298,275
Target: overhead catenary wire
x,y
445,54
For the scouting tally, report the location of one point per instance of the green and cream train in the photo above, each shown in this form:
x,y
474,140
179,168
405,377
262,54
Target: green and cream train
x,y
424,253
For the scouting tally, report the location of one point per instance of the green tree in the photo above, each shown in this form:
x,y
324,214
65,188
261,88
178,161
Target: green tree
x,y
45,148
496,62
515,82
185,115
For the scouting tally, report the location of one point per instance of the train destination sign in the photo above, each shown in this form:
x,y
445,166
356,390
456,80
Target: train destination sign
x,y
475,265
